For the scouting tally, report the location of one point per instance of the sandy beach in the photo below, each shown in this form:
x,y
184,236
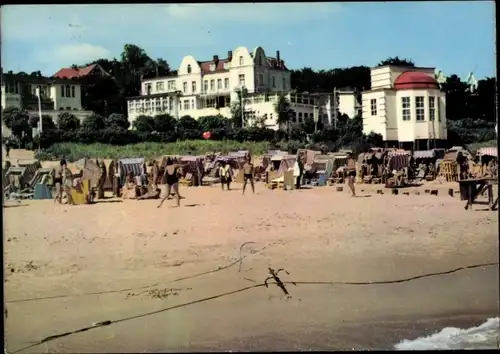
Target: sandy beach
x,y
69,267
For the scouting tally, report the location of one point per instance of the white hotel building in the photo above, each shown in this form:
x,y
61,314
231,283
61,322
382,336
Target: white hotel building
x,y
208,88
406,106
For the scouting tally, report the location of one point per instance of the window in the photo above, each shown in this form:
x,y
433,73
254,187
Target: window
x,y
171,84
165,104
300,117
186,104
260,79
189,69
373,106
148,89
420,108
432,108
157,104
274,81
284,83
192,104
73,91
184,87
241,77
193,86
405,106
226,83
241,60
212,85
62,90
159,86
306,116
68,91
205,85
219,84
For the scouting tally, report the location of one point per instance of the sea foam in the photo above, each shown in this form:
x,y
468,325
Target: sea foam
x,y
485,336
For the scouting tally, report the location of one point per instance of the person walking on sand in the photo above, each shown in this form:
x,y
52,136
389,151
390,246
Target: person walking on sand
x,y
351,173
248,174
58,181
7,150
67,181
172,179
225,175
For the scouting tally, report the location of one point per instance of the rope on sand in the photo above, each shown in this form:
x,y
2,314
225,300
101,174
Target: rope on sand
x,y
109,322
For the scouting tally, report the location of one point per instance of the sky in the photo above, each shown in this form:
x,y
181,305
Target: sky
x,y
454,36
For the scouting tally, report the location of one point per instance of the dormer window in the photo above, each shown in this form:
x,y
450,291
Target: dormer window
x,y
189,69
212,67
241,60
226,65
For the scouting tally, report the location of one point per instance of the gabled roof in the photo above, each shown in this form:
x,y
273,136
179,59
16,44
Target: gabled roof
x,y
205,66
74,73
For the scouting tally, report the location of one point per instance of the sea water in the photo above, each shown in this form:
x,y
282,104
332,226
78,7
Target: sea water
x,y
485,336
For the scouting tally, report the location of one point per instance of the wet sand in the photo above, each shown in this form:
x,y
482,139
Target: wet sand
x,y
131,253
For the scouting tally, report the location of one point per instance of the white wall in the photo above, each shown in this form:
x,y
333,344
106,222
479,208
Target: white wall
x,y
75,103
374,123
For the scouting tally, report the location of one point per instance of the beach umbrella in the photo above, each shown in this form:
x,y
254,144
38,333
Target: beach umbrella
x,y
207,135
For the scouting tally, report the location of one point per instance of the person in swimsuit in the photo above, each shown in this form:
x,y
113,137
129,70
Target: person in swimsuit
x,y
248,174
172,179
225,175
67,181
351,173
58,180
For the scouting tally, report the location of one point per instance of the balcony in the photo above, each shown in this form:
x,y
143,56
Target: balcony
x,y
30,102
217,92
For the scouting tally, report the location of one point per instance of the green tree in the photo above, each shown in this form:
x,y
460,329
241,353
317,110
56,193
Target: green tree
x,y
210,123
396,61
238,119
116,120
144,124
283,112
165,123
17,121
67,122
93,123
47,122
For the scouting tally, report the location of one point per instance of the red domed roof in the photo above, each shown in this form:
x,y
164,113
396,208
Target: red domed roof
x,y
415,80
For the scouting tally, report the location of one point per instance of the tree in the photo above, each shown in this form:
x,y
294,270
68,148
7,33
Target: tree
x,y
210,123
396,61
165,123
93,123
144,124
47,122
67,122
237,117
283,111
188,123
116,120
17,121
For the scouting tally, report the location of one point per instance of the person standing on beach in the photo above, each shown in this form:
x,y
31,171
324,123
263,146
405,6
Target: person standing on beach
x,y
248,174
298,171
7,150
67,181
172,179
351,173
58,180
225,175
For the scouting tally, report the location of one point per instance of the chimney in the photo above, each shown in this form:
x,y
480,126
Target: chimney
x,y
230,55
216,59
278,57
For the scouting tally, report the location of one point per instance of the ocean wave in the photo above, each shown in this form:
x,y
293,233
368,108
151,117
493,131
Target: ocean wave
x,y
485,336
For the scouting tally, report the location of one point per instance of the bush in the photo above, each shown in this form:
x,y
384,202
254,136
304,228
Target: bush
x,y
76,151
